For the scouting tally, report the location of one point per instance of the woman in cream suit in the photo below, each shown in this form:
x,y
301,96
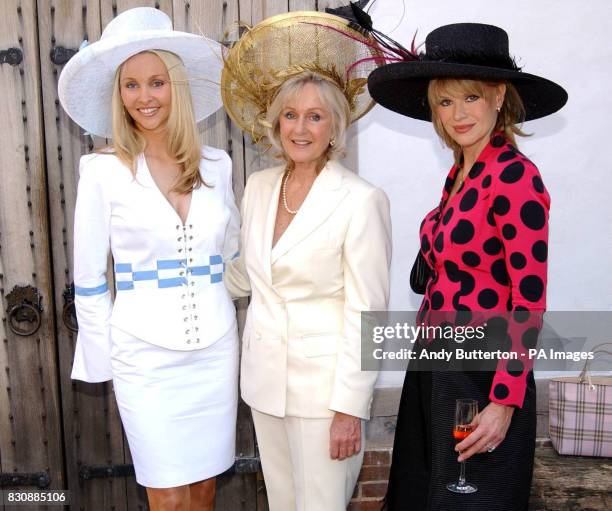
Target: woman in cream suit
x,y
315,253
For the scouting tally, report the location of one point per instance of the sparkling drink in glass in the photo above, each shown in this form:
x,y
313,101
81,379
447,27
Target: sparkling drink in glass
x,y
465,412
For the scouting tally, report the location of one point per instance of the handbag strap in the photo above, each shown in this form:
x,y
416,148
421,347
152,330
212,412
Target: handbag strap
x,y
585,373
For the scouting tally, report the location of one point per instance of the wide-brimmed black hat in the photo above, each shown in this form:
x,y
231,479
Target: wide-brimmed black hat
x,y
463,51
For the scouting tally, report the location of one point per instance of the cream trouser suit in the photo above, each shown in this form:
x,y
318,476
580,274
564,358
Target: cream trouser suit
x,y
301,351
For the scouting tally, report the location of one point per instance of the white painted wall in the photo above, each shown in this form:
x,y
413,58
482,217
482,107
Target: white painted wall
x,y
567,41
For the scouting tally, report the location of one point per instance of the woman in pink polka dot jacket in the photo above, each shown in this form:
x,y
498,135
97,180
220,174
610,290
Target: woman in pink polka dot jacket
x,y
486,247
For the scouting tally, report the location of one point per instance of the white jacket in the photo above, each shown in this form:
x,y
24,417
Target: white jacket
x,y
301,351
168,276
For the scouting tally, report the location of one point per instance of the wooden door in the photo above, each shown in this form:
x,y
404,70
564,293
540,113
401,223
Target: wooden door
x,y
96,453
98,462
30,422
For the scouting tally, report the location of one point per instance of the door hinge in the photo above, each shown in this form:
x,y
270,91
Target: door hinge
x,y
241,466
246,465
60,55
39,479
96,471
12,56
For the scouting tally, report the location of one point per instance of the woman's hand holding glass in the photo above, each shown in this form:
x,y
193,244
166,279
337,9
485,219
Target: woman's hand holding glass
x,y
490,428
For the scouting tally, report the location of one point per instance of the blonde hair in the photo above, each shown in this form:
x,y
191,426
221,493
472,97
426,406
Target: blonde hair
x,y
512,110
333,100
182,136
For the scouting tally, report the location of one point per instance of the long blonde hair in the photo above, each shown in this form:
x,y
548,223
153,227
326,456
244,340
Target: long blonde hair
x,y
182,136
512,111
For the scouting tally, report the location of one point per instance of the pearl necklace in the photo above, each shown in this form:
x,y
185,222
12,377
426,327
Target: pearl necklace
x,y
284,194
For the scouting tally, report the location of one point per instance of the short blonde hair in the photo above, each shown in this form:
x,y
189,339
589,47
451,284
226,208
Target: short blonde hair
x,y
333,100
512,111
182,140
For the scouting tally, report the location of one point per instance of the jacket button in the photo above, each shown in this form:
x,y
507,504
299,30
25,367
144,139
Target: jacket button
x,y
188,341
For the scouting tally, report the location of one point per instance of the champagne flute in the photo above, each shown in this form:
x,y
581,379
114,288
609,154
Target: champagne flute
x,y
465,412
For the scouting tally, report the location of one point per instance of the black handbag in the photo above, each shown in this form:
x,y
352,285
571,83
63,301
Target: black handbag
x,y
420,274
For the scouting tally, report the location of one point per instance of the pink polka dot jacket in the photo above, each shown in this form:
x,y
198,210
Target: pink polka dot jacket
x,y
488,249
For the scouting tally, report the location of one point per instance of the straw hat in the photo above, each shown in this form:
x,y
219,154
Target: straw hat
x,y
289,44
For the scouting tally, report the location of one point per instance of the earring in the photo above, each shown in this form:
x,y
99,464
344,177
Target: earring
x,y
332,142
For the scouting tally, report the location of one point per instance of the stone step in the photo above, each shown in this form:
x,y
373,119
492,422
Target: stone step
x,y
570,483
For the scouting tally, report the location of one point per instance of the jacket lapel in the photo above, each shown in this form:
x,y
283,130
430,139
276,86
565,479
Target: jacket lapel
x,y
268,195
324,197
143,176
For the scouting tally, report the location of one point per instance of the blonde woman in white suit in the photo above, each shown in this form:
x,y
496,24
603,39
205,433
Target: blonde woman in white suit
x,y
163,206
315,253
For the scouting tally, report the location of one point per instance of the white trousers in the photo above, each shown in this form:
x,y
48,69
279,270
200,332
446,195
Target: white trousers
x,y
298,471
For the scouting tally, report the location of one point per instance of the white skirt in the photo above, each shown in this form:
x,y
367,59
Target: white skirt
x,y
178,408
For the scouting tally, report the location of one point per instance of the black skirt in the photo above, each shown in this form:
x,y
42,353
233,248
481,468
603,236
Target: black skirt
x,y
424,460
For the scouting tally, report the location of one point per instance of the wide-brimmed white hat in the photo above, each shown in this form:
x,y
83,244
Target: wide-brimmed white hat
x,y
85,85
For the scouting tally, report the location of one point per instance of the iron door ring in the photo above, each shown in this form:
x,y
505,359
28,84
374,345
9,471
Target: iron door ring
x,y
69,318
24,312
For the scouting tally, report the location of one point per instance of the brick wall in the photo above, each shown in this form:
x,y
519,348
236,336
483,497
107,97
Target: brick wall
x,y
372,484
